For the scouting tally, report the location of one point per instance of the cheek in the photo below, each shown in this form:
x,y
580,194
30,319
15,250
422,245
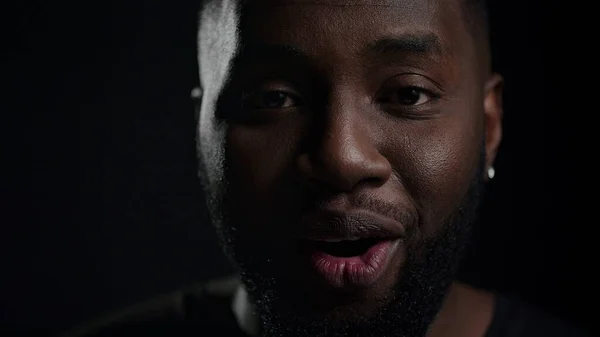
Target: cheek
x,y
259,160
436,162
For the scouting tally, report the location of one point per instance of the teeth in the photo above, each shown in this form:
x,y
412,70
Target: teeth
x,y
340,240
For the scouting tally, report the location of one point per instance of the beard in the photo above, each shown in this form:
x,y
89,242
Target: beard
x,y
408,310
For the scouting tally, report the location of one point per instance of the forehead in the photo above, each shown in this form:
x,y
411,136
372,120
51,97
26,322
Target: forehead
x,y
326,24
334,32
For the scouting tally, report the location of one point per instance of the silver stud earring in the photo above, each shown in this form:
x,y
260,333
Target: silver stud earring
x,y
491,173
196,93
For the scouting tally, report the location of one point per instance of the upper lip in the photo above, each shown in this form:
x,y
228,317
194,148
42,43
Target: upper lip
x,y
342,225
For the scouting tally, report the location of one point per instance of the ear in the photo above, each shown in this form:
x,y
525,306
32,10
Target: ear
x,y
493,118
196,96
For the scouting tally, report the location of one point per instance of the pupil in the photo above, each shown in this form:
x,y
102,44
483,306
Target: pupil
x,y
274,99
410,96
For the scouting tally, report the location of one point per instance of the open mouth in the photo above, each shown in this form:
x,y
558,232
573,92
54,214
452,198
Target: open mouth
x,y
349,250
349,263
346,248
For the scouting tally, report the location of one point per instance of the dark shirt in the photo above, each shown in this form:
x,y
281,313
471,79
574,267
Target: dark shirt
x,y
207,311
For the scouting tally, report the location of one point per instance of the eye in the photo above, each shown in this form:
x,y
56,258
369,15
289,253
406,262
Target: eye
x,y
409,96
270,99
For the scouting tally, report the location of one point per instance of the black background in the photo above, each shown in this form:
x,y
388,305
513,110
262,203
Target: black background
x,y
111,211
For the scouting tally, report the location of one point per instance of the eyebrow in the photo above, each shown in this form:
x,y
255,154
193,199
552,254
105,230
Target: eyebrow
x,y
426,44
268,52
406,44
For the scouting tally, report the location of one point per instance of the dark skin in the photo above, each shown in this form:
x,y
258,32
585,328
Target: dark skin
x,y
369,104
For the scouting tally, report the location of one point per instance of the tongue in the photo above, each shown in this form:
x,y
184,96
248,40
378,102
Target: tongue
x,y
346,248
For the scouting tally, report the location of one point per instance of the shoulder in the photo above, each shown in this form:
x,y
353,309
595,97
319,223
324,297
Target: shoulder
x,y
188,311
516,318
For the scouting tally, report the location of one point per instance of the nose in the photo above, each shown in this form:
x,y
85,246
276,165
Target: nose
x,y
343,154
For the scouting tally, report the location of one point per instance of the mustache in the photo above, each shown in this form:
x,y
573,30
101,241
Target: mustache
x,y
407,216
332,225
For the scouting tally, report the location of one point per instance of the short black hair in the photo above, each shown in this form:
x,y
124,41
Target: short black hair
x,y
476,14
477,18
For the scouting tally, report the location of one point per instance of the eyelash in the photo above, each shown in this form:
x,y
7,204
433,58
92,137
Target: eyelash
x,y
298,101
421,90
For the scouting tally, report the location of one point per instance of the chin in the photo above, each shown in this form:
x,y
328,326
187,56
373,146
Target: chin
x,y
295,291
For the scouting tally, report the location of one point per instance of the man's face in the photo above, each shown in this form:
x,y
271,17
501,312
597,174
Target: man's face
x,y
342,146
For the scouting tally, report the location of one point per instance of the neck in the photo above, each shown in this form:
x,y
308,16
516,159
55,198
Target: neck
x,y
466,312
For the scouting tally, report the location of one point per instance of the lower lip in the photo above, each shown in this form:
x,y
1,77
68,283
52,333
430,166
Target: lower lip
x,y
356,271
